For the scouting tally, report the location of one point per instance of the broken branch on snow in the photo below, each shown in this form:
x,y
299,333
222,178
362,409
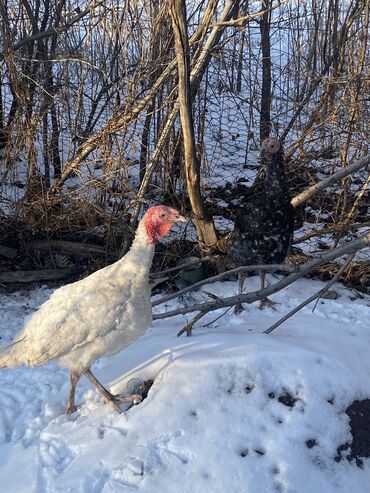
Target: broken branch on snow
x,y
315,296
347,248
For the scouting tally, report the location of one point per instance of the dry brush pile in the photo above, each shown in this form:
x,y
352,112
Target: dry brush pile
x,y
91,95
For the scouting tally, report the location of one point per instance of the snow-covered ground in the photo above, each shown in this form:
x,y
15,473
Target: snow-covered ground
x,y
230,409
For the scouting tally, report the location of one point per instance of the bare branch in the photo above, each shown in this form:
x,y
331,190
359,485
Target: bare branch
x,y
52,31
347,248
241,21
327,182
188,327
120,120
247,268
313,297
198,69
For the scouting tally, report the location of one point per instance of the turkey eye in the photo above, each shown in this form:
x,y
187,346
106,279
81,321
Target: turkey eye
x,y
161,214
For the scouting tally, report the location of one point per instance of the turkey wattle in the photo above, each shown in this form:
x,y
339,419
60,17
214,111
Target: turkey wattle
x,y
264,226
96,316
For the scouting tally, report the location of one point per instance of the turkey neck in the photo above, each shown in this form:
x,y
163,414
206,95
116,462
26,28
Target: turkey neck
x,y
275,182
138,259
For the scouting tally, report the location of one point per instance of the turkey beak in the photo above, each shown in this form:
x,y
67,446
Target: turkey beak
x,y
266,155
180,219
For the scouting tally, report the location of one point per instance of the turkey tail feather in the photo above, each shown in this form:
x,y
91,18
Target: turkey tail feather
x,y
7,354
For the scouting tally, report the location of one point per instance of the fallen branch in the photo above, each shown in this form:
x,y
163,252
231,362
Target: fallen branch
x,y
69,247
25,276
348,248
329,230
317,295
246,268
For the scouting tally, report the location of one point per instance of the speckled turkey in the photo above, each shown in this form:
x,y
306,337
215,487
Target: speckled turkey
x,y
264,226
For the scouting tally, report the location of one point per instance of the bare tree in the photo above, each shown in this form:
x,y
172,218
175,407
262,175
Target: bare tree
x,y
205,226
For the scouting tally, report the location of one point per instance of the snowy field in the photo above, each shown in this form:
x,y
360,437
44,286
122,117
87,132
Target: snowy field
x,y
230,409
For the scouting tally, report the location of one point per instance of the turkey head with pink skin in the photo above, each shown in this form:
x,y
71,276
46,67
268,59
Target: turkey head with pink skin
x,y
159,220
270,147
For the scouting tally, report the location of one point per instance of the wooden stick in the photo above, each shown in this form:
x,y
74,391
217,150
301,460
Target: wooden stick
x,y
70,247
24,276
188,327
317,295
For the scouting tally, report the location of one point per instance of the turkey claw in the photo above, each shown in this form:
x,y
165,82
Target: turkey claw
x,y
134,398
238,309
267,303
117,400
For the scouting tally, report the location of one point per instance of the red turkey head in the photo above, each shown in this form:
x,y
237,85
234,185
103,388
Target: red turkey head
x,y
270,147
159,220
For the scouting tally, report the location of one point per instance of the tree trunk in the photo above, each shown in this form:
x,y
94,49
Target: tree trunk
x,y
265,122
205,227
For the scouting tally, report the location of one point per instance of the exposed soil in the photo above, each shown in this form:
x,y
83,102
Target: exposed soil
x,y
359,449
286,398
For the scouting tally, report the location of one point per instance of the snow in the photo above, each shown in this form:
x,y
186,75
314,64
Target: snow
x,y
215,418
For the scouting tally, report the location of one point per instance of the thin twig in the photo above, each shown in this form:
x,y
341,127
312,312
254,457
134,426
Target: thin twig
x,y
188,327
241,21
180,267
218,318
317,295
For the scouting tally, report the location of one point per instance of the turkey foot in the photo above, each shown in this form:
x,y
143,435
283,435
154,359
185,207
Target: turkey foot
x,y
134,398
117,399
70,409
114,400
267,303
238,309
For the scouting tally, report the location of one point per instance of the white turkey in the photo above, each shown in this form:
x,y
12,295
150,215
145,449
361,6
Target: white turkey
x,y
96,316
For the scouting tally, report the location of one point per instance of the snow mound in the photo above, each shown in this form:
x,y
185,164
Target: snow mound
x,y
230,409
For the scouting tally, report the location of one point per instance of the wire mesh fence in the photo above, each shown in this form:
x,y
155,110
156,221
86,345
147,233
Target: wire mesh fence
x,y
73,100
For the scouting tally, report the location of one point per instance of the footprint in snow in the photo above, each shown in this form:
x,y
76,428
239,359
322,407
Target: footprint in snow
x,y
55,455
166,451
128,475
29,399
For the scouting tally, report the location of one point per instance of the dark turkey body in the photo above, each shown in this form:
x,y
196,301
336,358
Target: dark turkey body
x,y
264,227
262,235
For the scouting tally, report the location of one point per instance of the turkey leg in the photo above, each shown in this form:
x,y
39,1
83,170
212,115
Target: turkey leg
x,y
114,399
241,278
265,302
71,408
